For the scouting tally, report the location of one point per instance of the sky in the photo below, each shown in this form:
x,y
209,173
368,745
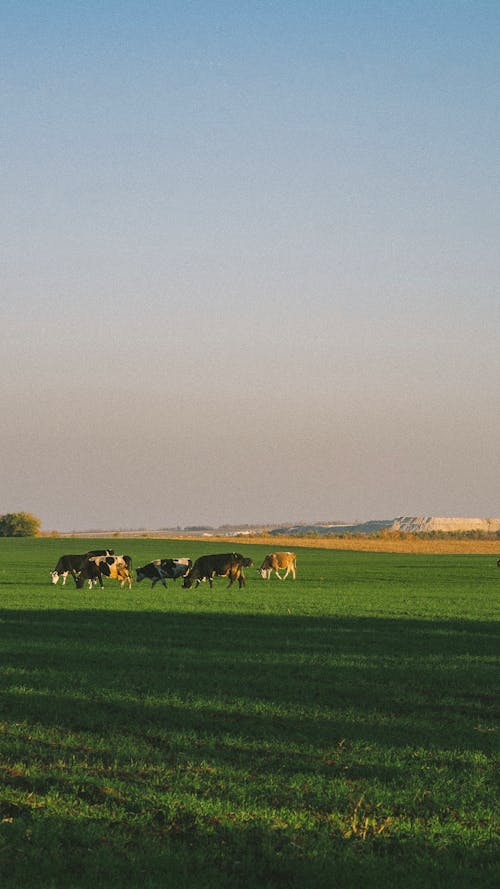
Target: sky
x,y
250,261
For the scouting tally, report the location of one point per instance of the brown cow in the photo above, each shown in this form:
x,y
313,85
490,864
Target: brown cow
x,y
276,562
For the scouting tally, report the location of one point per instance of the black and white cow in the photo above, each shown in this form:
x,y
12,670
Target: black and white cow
x,y
220,565
70,564
163,569
73,564
95,568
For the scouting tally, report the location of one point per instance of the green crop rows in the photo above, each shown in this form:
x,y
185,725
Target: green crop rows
x,y
338,731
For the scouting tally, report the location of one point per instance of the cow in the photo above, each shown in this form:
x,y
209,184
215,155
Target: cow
x,y
100,552
221,565
67,565
162,569
89,571
97,567
72,564
276,562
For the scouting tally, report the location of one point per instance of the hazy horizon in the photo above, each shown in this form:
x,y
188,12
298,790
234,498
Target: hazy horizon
x,y
258,526
250,261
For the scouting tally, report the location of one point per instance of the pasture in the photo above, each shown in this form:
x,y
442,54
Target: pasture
x,y
333,732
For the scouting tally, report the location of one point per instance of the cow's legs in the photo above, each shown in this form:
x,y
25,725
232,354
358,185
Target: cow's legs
x,y
156,580
159,578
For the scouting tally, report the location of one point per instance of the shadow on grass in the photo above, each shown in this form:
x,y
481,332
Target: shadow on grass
x,y
266,695
184,854
298,679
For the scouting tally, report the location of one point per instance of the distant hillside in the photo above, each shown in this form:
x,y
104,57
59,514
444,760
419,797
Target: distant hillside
x,y
358,528
419,524
406,524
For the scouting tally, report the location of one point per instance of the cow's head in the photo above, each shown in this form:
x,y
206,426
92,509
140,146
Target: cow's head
x,y
55,576
265,567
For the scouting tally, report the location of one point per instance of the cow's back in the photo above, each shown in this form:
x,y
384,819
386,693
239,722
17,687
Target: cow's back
x,y
69,563
284,559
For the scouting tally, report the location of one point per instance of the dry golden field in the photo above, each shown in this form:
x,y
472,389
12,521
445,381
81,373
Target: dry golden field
x,y
409,544
387,544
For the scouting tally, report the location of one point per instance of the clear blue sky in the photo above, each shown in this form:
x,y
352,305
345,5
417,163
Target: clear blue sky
x,y
250,261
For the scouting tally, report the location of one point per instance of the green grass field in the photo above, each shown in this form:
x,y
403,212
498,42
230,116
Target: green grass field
x,y
335,732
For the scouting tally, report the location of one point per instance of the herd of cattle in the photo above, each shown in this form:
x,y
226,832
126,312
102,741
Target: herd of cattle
x,y
96,564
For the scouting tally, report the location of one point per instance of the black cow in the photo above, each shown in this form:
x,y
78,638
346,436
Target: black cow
x,y
90,571
67,565
162,569
221,565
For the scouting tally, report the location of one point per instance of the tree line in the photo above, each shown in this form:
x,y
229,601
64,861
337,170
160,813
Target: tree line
x,y
19,524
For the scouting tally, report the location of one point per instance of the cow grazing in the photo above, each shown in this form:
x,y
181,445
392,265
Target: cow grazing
x,y
163,569
221,565
277,562
72,564
67,565
95,568
90,571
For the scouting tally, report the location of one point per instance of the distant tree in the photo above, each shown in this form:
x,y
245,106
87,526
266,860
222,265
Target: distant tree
x,y
19,524
198,528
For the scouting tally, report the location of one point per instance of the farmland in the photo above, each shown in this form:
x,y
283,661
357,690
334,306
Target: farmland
x,y
338,731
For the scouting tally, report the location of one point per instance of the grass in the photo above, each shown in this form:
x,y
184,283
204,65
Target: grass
x,y
337,731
